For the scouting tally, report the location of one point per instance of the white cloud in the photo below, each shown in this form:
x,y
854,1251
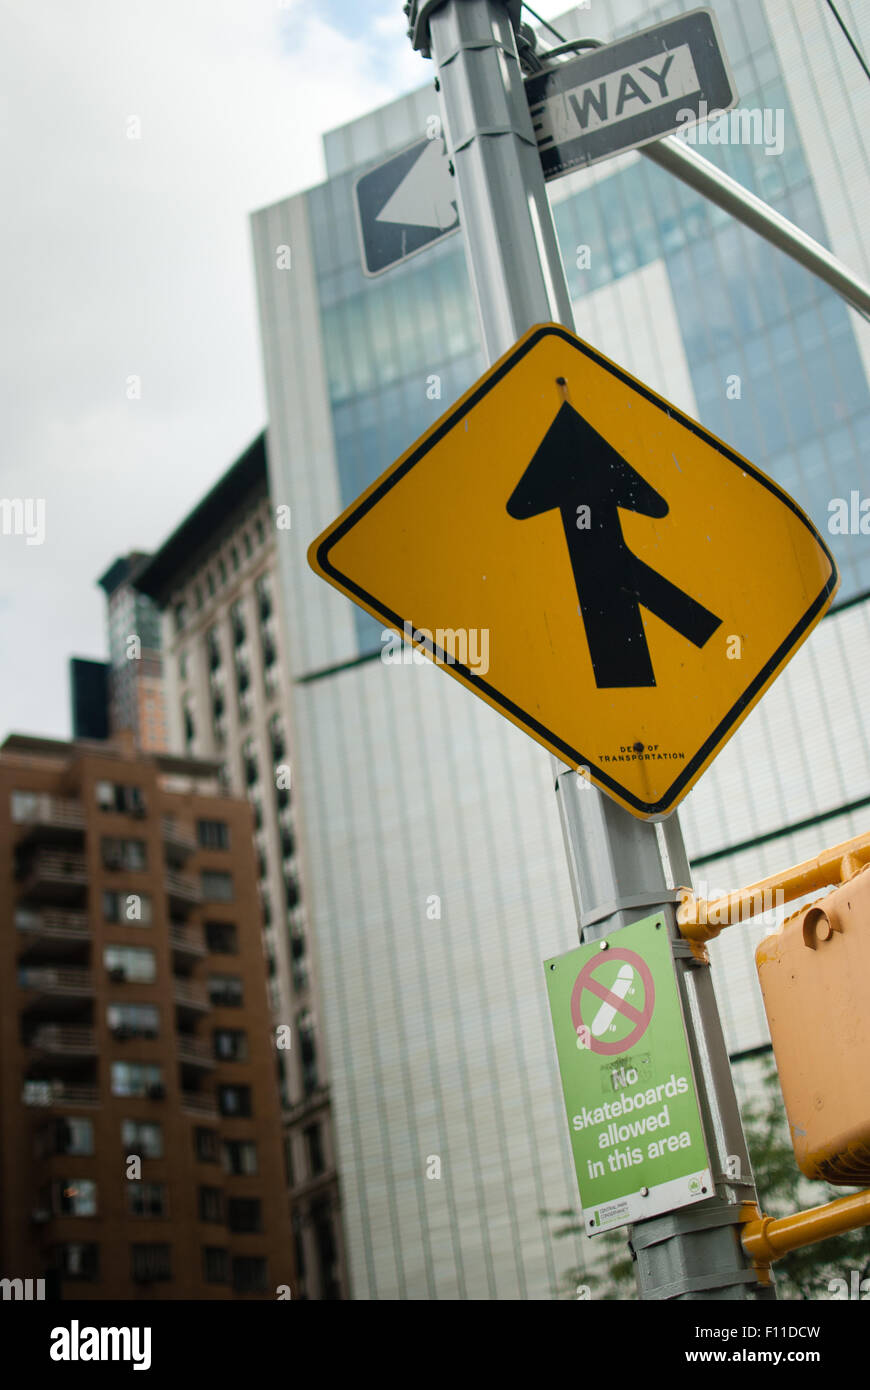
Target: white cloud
x,y
123,257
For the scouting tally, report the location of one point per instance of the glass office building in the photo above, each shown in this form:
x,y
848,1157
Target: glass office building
x,y
438,881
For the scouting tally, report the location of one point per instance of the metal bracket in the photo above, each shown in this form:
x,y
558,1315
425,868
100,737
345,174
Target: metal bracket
x,y
419,12
491,130
680,1223
662,895
685,950
695,1283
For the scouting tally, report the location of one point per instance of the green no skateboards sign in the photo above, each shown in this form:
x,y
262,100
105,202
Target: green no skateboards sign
x,y
627,1077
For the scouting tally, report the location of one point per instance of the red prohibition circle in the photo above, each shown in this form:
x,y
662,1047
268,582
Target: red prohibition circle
x,y
642,1017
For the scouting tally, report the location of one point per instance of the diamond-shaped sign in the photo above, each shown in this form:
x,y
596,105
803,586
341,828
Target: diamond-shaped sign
x,y
592,563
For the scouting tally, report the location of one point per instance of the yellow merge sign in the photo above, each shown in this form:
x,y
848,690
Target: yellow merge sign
x,y
592,563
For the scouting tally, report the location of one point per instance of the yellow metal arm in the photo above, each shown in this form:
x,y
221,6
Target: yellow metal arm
x,y
700,920
768,1238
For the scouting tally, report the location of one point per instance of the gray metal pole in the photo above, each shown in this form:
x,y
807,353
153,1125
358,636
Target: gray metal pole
x,y
622,869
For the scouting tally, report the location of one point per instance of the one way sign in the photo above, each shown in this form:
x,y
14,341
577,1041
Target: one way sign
x,y
589,561
405,204
629,93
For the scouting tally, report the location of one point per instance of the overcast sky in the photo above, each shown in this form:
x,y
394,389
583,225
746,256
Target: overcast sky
x,y
131,257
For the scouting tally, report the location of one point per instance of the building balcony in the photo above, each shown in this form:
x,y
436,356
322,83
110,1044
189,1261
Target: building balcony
x,y
58,987
52,818
36,1093
190,994
199,1103
182,890
178,841
55,1042
187,942
51,932
194,1052
52,876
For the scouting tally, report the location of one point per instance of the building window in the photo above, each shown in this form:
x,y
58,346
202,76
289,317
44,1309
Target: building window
x,y
225,991
121,798
77,1260
213,646
147,1199
206,1143
244,1214
197,595
237,617
182,665
314,1148
308,1050
215,1265
74,1197
276,735
136,963
234,1100
180,616
221,938
211,1204
230,1044
137,1079
234,557
149,1263
324,1241
67,1134
249,548
217,886
209,584
127,908
298,1243
123,854
240,1157
264,597
249,1274
142,1137
133,1020
213,834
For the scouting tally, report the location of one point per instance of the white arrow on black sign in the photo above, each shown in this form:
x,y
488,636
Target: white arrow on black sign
x,y
405,205
426,197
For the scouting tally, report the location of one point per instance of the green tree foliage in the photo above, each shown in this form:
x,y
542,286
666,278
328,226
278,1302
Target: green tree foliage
x,y
805,1273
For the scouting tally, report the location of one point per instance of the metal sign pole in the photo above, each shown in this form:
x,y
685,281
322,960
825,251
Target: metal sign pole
x,y
622,868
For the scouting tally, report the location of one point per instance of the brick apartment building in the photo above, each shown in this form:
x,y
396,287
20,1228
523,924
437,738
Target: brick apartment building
x,y
134,1026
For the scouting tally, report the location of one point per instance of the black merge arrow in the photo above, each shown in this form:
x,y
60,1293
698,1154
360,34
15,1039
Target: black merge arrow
x,y
575,467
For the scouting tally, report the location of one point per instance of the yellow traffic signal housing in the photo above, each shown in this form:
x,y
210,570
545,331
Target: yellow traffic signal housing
x,y
815,979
